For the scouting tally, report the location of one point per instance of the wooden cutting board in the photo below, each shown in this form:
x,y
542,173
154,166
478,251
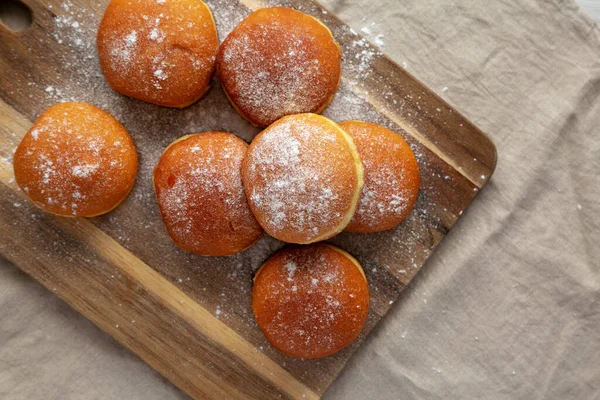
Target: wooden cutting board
x,y
187,316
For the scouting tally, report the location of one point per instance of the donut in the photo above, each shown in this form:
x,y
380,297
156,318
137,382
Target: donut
x,y
303,178
278,62
159,51
76,160
391,177
310,301
199,191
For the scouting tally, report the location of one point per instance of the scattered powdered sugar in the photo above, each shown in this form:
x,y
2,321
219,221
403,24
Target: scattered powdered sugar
x,y
131,39
124,50
157,35
376,207
364,55
84,171
160,74
72,32
291,269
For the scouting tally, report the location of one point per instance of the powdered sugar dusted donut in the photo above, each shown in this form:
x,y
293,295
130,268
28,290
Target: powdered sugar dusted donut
x,y
391,177
77,160
200,195
310,301
303,178
159,51
278,62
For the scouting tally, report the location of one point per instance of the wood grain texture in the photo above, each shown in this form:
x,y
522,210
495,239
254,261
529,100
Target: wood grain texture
x,y
189,316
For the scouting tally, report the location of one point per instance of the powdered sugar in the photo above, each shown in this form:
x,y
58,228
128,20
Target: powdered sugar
x,y
160,74
157,35
84,171
375,208
364,56
131,39
123,51
291,269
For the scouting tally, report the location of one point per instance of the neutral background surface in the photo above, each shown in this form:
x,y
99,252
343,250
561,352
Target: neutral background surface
x,y
508,307
592,7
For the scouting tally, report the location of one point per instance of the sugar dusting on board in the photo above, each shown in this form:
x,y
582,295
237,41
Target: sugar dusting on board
x,y
136,223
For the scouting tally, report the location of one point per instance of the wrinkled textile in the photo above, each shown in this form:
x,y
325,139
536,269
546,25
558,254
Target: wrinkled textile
x,y
509,305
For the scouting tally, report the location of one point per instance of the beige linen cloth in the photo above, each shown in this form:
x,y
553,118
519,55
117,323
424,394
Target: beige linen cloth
x,y
509,305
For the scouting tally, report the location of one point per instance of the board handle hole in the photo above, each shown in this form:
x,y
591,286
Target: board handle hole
x,y
15,15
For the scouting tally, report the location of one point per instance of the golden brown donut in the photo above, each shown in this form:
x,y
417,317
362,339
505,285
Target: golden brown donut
x,y
310,301
391,177
303,178
159,51
200,195
278,62
76,160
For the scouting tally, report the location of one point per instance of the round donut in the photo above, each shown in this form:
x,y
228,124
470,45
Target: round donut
x,y
199,191
391,177
76,160
303,178
278,62
159,51
310,301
